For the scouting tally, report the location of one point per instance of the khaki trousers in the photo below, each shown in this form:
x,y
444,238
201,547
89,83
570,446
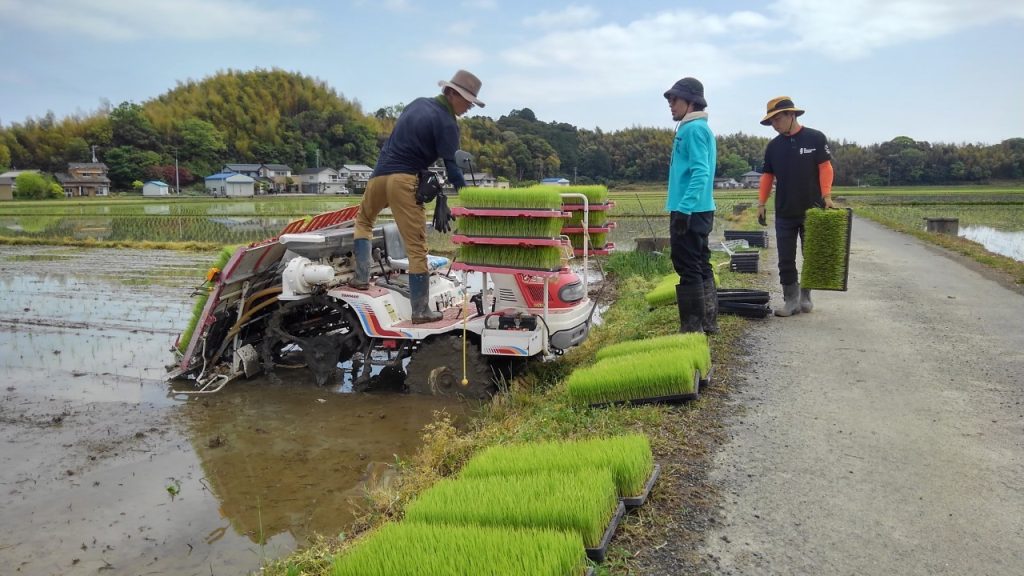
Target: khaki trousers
x,y
398,192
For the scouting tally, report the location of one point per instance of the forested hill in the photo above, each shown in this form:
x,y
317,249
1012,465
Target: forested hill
x,y
273,116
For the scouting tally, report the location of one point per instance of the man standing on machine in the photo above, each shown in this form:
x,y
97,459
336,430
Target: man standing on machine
x,y
426,130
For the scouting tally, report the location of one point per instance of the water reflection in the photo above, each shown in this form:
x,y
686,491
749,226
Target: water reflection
x,y
1010,244
292,459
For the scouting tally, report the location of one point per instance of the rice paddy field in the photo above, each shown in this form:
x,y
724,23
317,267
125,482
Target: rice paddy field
x,y
991,215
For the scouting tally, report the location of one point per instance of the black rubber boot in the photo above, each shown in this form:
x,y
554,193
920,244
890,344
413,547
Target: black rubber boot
x,y
419,292
710,306
791,295
361,255
690,299
805,300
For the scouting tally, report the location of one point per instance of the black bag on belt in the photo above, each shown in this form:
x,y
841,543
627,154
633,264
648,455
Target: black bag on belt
x,y
428,187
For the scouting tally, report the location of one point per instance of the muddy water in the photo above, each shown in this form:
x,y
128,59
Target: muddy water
x,y
102,469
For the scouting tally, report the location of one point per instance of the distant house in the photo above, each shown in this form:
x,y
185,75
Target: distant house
x,y
481,180
84,179
230,184
751,179
279,176
555,181
321,181
250,170
355,176
155,188
726,183
8,184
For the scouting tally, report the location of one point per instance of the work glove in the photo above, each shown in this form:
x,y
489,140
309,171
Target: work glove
x,y
762,215
442,215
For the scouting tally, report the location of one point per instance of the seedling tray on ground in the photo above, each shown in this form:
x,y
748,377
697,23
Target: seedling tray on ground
x,y
597,554
743,295
706,380
631,502
669,399
510,212
744,262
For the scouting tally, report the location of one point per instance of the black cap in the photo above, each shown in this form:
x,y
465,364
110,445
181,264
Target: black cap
x,y
689,89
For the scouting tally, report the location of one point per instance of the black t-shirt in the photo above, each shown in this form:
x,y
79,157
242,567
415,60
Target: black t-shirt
x,y
794,162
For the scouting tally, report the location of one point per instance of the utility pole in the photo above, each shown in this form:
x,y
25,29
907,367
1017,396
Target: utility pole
x,y
177,188
317,157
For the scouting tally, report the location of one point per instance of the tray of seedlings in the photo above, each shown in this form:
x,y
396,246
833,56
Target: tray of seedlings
x,y
827,255
491,238
583,501
666,369
455,550
628,456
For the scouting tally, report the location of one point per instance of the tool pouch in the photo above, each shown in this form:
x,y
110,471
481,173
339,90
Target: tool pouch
x,y
427,188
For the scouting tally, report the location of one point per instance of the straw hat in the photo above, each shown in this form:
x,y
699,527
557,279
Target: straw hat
x,y
779,104
466,84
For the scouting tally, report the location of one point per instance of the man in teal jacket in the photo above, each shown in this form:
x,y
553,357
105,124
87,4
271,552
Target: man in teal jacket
x,y
691,207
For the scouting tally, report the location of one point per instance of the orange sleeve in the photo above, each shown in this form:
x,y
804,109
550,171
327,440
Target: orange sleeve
x,y
764,189
825,175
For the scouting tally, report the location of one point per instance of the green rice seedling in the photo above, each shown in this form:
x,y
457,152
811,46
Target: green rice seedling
x,y
402,548
527,198
598,218
595,194
692,343
500,227
826,249
583,501
664,292
527,258
200,303
628,456
597,241
653,374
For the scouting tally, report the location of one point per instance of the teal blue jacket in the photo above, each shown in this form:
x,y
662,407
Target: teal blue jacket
x,y
691,174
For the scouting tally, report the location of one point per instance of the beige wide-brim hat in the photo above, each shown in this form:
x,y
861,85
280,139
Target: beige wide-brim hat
x,y
779,104
466,84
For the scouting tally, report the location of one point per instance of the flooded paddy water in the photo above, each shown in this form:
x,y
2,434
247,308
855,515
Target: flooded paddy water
x,y
102,469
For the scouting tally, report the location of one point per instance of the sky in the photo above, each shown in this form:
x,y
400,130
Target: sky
x,y
865,71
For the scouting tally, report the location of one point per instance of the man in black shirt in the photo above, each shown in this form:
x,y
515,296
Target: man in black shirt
x,y
426,130
799,160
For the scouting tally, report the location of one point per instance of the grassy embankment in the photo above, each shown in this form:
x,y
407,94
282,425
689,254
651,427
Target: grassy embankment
x,y
537,407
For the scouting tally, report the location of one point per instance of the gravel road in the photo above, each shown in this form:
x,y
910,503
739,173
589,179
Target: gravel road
x,y
884,432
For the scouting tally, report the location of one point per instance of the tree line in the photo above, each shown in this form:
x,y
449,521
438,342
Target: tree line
x,y
273,116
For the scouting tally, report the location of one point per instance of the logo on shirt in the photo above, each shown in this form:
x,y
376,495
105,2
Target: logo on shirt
x,y
807,151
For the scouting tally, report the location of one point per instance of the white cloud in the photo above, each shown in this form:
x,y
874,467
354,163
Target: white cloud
x,y
127,20
856,28
644,56
458,56
572,16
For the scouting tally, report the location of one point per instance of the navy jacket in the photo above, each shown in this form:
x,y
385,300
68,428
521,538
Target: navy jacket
x,y
426,130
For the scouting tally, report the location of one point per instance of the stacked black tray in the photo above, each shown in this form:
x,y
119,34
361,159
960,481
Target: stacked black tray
x,y
744,302
744,262
757,238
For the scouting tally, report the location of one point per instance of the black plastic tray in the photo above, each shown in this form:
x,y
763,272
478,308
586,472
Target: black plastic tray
x,y
631,502
706,380
597,554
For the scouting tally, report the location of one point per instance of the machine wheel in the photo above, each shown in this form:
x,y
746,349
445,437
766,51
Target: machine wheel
x,y
436,369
